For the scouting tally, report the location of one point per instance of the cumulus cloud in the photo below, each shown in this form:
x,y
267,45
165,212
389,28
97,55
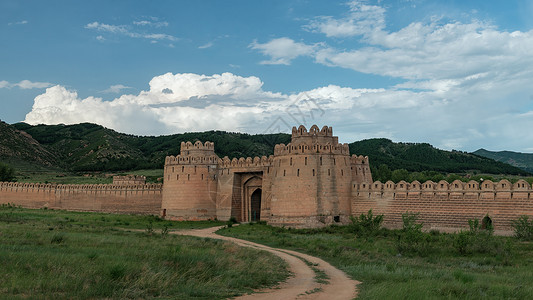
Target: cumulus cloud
x,y
282,50
461,84
192,102
126,30
25,84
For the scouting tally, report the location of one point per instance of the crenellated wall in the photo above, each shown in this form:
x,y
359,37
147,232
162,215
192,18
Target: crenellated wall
x,y
311,182
128,199
445,206
191,183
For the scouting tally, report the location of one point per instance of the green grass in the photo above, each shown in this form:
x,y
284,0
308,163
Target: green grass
x,y
493,267
64,255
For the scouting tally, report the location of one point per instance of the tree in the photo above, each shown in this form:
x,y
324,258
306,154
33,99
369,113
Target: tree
x,y
6,173
399,175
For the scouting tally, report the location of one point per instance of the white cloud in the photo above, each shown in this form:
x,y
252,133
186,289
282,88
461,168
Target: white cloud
x,y
18,23
362,19
127,31
100,38
282,50
150,23
116,89
189,102
108,28
25,84
205,46
192,102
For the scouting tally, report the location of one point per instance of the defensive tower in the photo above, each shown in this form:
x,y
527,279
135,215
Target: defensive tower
x,y
190,183
311,180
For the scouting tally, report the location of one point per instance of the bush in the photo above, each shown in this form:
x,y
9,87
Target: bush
x,y
479,239
411,239
6,173
523,228
366,225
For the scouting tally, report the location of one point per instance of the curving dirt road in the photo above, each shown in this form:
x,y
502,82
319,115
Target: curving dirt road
x,y
302,284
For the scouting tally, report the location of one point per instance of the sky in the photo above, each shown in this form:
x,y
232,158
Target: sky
x,y
455,74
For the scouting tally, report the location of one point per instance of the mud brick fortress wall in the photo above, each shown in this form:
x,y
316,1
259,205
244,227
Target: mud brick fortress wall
x,y
446,206
127,199
311,182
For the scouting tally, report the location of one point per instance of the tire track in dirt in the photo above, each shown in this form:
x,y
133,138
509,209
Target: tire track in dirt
x,y
302,284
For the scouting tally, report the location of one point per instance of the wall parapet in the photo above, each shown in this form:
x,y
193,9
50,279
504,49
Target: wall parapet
x,y
52,187
306,148
191,160
455,186
263,161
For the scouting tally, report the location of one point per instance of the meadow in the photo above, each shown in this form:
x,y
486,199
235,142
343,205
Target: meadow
x,y
47,254
411,264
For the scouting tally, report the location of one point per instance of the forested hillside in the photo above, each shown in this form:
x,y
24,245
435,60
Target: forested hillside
x,y
523,161
418,157
90,147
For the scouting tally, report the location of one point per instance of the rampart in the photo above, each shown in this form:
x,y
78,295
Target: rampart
x,y
446,206
127,199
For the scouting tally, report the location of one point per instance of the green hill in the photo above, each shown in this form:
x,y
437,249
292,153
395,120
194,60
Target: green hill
x,y
18,148
90,147
418,157
520,160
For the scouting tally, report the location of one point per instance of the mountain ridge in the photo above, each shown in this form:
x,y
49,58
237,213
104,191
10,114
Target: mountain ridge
x,y
91,147
520,160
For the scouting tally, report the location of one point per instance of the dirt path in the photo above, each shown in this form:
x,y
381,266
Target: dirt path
x,y
302,284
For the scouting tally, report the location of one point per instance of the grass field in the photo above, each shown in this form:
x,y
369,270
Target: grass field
x,y
430,266
70,255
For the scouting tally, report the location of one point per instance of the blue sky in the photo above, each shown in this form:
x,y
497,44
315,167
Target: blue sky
x,y
456,74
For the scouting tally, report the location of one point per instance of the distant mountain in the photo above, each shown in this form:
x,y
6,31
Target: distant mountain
x,y
523,161
91,147
417,157
21,149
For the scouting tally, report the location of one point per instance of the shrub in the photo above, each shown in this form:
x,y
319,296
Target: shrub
x,y
409,220
523,228
478,239
6,173
366,225
411,239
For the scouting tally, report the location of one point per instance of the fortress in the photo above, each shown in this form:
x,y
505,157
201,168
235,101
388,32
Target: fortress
x,y
311,182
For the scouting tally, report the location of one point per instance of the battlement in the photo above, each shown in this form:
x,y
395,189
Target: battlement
x,y
52,187
444,186
325,136
246,162
358,160
313,131
192,160
197,149
313,148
